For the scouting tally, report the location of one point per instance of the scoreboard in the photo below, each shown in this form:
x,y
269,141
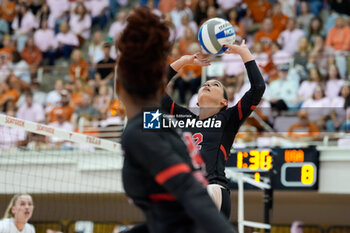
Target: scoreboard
x,y
288,169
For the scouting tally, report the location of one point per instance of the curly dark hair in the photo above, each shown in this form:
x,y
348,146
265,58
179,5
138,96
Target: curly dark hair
x,y
144,47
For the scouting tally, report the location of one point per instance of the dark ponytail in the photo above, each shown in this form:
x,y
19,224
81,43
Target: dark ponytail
x,y
144,47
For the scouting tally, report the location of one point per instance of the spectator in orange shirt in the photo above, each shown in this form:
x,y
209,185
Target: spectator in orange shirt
x,y
79,68
260,9
339,36
279,19
117,109
32,55
8,11
8,94
166,6
304,128
186,41
64,106
8,47
267,34
78,91
339,39
175,54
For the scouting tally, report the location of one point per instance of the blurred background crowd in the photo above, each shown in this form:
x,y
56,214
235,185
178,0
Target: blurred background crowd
x,y
57,61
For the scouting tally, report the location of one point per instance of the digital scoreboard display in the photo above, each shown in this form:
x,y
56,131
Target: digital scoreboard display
x,y
289,169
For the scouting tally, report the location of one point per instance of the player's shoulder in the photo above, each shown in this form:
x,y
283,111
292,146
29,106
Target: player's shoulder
x,y
2,224
5,221
5,225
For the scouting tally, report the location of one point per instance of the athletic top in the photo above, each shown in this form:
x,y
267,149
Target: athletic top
x,y
215,144
7,225
162,179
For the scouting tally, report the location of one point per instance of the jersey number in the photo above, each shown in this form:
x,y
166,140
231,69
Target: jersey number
x,y
198,139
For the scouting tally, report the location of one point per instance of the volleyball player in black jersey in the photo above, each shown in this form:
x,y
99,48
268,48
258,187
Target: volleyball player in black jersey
x,y
158,173
215,144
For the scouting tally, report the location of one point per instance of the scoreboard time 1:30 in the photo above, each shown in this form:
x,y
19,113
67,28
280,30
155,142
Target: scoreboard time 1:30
x,y
295,169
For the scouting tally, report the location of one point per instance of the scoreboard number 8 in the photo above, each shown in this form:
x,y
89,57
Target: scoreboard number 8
x,y
307,174
307,171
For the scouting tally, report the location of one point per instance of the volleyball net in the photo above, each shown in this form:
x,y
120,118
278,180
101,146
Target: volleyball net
x,y
74,176
71,176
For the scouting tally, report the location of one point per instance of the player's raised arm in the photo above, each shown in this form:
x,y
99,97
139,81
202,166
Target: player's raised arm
x,y
198,59
257,85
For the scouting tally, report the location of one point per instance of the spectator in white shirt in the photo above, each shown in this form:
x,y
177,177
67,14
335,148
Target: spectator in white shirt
x,y
17,215
321,55
152,5
283,92
96,53
66,40
118,26
20,67
44,14
233,65
59,13
62,124
260,56
45,40
31,111
54,96
10,137
288,7
290,37
334,83
98,10
39,96
180,11
305,17
185,22
80,22
339,106
279,57
23,25
226,5
307,87
317,107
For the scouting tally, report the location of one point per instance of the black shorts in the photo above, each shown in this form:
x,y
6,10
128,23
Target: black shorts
x,y
225,203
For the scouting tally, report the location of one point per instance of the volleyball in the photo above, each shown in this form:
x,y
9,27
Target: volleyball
x,y
214,33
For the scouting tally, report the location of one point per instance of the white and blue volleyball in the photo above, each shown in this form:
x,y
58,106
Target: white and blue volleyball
x,y
214,33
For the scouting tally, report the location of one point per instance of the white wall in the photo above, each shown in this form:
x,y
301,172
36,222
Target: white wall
x,y
334,174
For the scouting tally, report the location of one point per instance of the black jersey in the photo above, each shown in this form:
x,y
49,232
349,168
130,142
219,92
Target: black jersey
x,y
160,177
215,144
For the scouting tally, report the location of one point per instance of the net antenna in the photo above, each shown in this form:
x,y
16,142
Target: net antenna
x,y
242,178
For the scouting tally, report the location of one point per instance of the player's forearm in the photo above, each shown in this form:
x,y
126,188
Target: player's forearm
x,y
179,63
246,55
256,80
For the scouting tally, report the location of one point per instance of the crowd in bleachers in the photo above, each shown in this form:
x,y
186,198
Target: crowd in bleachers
x,y
301,47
